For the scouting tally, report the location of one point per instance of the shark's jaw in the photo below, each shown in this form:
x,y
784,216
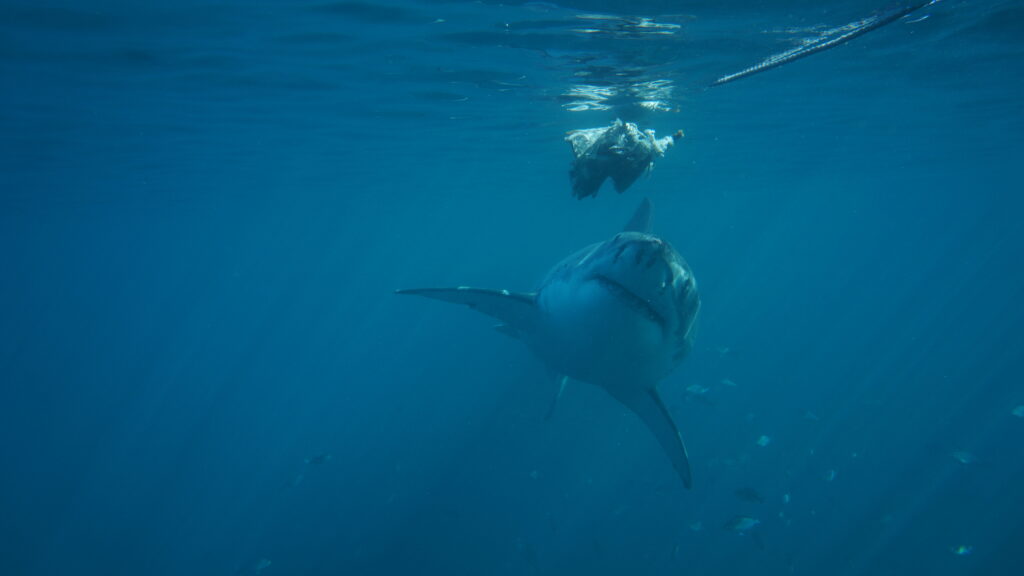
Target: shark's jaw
x,y
647,274
614,315
632,300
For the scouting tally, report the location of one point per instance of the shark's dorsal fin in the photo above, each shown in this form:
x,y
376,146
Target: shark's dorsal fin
x,y
641,220
647,404
516,310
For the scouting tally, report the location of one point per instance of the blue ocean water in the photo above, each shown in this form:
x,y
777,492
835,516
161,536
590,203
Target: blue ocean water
x,y
205,208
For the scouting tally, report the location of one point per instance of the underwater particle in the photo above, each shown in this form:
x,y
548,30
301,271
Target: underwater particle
x,y
785,498
727,382
962,550
696,526
254,568
319,459
535,474
741,524
1018,411
811,416
763,441
963,456
829,475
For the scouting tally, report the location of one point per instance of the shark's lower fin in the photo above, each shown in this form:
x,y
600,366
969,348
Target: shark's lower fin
x,y
517,310
562,381
648,406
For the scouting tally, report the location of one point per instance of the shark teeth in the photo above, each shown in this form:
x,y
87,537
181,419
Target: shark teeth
x,y
640,304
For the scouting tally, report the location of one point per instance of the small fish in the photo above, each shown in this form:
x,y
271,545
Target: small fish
x,y
1018,411
763,441
811,416
727,382
696,526
748,494
697,389
319,459
698,393
963,456
829,475
962,550
741,524
535,475
785,498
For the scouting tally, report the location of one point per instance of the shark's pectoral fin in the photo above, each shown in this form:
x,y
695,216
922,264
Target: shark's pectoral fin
x,y
648,406
517,310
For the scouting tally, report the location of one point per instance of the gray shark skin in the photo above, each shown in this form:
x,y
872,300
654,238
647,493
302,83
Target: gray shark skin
x,y
619,314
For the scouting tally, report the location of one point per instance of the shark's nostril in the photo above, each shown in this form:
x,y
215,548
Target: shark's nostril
x,y
618,253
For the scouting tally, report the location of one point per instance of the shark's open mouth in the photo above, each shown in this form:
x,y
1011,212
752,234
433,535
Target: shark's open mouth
x,y
641,305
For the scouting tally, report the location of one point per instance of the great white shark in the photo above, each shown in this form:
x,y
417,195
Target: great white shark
x,y
619,314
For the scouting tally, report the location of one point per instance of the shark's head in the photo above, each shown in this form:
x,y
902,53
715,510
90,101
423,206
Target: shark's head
x,y
646,272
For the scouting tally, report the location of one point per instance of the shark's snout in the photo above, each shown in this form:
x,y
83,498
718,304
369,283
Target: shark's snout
x,y
641,262
644,271
644,250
